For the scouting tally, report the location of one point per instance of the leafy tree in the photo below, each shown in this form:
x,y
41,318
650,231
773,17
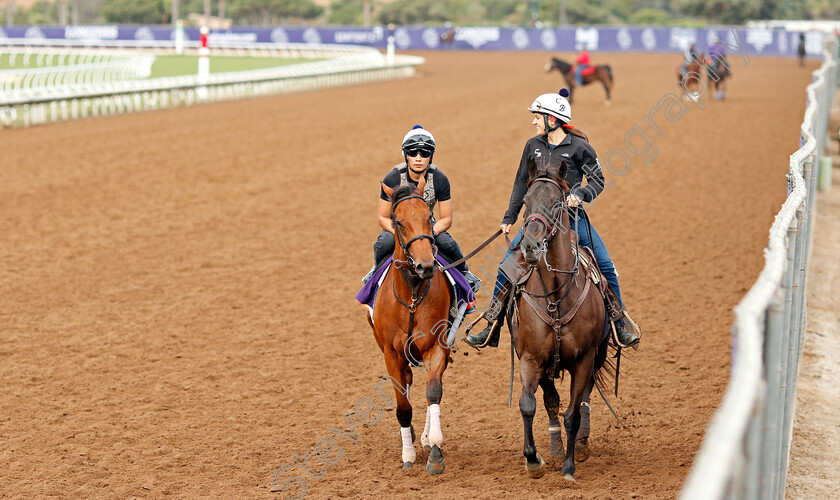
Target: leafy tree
x,y
722,11
347,12
269,12
134,11
650,17
41,12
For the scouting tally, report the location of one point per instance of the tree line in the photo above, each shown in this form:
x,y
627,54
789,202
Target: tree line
x,y
546,13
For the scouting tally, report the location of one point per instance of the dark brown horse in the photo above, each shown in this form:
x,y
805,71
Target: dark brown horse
x,y
562,321
602,73
409,319
718,70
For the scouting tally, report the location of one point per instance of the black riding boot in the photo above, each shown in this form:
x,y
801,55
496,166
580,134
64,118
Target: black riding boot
x,y
495,316
626,336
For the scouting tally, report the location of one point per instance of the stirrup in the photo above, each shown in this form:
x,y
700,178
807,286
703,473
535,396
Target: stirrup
x,y
369,275
636,330
492,331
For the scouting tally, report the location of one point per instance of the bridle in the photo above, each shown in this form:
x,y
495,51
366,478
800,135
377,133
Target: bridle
x,y
551,315
409,263
407,267
551,230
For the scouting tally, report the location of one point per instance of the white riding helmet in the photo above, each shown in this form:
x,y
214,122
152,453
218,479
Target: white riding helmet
x,y
555,105
418,137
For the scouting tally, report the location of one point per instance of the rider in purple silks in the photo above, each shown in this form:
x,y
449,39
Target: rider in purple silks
x,y
717,50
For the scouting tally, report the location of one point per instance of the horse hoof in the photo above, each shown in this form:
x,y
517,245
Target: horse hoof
x,y
435,465
408,465
536,470
569,477
607,103
427,447
581,450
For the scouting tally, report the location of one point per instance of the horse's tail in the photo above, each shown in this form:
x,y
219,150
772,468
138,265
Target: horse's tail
x,y
609,72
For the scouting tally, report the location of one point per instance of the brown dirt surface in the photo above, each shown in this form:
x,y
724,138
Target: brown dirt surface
x,y
178,311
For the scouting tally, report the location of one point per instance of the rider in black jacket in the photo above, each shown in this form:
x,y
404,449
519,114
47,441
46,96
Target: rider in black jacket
x,y
418,148
556,142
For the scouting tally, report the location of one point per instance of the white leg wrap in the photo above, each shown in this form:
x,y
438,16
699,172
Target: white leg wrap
x,y
424,439
408,454
435,434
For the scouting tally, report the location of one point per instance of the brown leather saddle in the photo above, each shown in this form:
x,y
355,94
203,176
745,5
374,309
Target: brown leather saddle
x,y
518,272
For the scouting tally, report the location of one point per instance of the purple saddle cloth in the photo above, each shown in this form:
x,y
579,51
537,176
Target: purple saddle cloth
x,y
463,292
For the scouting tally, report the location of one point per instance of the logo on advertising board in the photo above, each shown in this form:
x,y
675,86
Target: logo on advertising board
x,y
144,34
682,38
813,42
360,36
310,35
279,35
520,38
648,39
548,39
91,32
477,36
759,38
402,38
624,39
431,38
3,33
586,38
230,36
781,42
34,32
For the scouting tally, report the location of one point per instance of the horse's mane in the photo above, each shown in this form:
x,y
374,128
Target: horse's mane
x,y
401,192
557,174
562,66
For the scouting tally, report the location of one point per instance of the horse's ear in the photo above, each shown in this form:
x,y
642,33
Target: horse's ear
x,y
388,191
533,171
421,185
562,170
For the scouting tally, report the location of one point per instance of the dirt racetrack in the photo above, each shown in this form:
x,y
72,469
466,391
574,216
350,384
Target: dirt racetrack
x,y
178,316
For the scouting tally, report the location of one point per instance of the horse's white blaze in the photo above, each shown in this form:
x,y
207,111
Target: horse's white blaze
x,y
435,434
424,439
408,454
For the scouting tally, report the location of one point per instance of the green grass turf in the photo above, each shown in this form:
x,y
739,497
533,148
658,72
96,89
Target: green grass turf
x,y
188,65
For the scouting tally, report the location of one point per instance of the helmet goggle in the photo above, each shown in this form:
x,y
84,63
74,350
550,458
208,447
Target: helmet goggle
x,y
419,144
424,152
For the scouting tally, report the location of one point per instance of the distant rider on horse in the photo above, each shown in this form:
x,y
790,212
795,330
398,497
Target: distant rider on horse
x,y
716,57
689,55
582,64
418,147
556,142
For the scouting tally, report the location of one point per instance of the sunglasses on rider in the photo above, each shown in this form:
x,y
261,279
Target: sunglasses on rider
x,y
424,153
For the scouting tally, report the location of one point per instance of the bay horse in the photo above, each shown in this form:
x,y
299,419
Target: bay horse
x,y
603,73
558,321
691,84
448,37
411,306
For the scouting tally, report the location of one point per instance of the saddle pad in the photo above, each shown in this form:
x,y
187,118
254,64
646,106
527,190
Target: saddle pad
x,y
588,71
457,282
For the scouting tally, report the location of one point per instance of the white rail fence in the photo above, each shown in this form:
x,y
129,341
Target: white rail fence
x,y
746,449
36,96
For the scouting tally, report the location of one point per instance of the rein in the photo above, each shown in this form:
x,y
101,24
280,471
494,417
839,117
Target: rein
x,y
478,249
